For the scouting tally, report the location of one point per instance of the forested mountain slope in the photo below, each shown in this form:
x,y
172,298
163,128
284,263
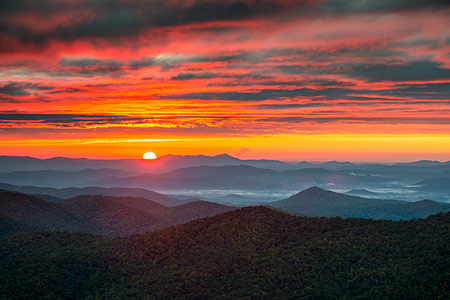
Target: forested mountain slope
x,y
318,202
250,253
97,214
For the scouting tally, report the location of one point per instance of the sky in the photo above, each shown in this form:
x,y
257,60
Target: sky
x,y
281,79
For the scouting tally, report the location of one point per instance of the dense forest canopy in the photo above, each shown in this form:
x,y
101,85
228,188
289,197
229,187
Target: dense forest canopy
x,y
250,253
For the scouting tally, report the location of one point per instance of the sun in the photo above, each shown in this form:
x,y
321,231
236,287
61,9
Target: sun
x,y
149,155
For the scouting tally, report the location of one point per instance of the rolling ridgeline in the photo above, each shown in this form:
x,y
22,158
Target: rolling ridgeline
x,y
410,181
126,215
315,201
97,214
249,253
109,242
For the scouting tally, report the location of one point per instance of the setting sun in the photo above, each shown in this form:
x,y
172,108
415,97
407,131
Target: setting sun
x,y
149,155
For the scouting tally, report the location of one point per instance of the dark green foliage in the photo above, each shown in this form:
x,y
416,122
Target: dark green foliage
x,y
251,253
9,226
46,265
33,212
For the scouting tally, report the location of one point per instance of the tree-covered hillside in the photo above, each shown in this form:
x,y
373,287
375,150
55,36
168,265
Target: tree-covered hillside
x,y
317,202
251,253
97,214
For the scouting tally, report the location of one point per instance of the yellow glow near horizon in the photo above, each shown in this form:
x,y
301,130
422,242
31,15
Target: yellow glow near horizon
x,y
352,147
149,155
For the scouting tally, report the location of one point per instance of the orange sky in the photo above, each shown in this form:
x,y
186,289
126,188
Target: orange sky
x,y
289,80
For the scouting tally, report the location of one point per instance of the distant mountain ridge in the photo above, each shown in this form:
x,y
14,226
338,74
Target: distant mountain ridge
x,y
118,216
170,162
66,193
362,193
231,177
434,184
237,177
59,178
26,163
164,163
104,215
315,201
328,198
190,174
423,163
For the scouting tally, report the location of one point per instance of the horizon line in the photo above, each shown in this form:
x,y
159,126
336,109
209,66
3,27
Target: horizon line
x,y
288,161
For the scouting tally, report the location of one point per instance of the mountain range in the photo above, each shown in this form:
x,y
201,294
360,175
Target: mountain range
x,y
187,175
243,177
59,178
170,162
250,253
164,163
315,201
127,215
56,195
104,215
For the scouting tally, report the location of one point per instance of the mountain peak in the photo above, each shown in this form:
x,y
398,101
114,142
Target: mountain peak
x,y
313,190
425,202
335,162
318,196
225,155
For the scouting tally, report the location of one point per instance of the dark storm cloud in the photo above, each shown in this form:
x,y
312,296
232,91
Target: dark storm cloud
x,y
296,83
108,20
290,106
65,120
21,88
216,29
435,91
417,70
340,92
356,53
381,120
390,71
279,94
188,76
265,94
142,63
89,67
367,6
52,117
87,62
4,99
211,75
431,43
66,90
81,119
92,66
114,18
173,61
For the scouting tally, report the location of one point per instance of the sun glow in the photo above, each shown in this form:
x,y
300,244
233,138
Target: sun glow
x,y
149,155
